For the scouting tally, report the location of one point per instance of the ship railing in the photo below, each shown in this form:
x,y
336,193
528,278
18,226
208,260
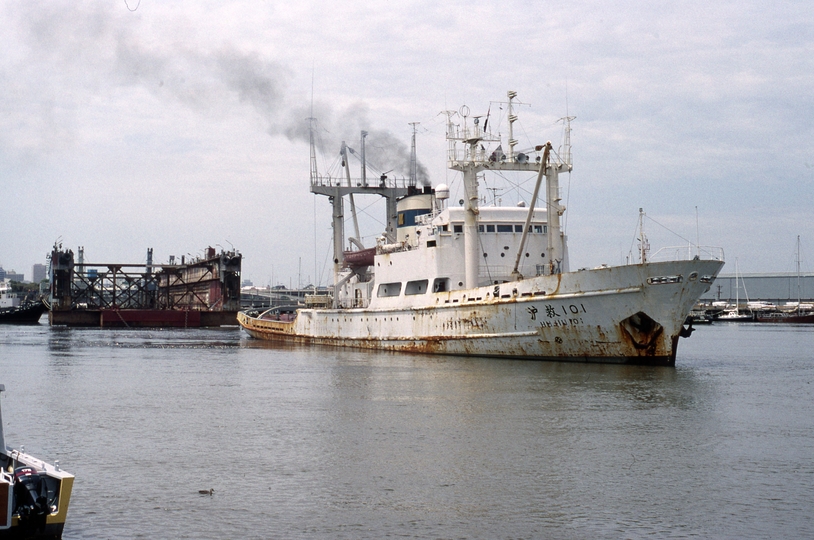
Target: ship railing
x,y
372,182
494,273
687,253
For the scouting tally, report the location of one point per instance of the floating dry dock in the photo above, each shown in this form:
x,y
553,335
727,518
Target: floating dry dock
x,y
202,292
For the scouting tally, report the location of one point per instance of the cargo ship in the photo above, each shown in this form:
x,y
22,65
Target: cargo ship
x,y
490,281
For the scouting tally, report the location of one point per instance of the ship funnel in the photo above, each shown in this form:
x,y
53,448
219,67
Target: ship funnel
x,y
408,209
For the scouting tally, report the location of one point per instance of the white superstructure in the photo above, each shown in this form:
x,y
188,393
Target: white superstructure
x,y
490,281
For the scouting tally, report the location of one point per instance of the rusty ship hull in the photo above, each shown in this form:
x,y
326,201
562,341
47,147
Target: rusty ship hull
x,y
628,315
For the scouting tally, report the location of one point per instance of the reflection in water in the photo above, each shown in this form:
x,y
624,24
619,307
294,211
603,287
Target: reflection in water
x,y
459,439
60,341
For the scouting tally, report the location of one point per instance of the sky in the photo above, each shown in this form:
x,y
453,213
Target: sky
x,y
178,125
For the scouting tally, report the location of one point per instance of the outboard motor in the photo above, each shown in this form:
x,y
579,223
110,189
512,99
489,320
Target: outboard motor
x,y
30,494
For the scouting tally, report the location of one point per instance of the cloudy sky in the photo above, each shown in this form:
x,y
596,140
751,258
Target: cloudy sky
x,y
178,125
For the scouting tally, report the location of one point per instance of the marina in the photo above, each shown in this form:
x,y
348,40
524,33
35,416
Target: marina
x,y
782,298
320,442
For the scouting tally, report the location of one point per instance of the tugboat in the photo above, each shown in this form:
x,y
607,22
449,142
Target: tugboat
x,y
14,312
34,495
491,281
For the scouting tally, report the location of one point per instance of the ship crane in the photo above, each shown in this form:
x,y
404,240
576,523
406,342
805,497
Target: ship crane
x,y
336,192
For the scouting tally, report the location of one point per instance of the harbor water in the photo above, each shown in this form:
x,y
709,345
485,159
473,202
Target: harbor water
x,y
300,442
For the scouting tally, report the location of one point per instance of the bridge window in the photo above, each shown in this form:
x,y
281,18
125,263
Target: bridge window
x,y
389,289
416,287
460,228
505,228
490,228
440,285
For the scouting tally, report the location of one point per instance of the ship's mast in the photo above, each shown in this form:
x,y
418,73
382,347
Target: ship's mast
x,y
474,159
413,159
364,163
566,144
471,164
644,245
555,210
512,119
314,172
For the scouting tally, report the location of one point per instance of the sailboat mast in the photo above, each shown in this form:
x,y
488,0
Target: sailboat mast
x,y
737,286
799,295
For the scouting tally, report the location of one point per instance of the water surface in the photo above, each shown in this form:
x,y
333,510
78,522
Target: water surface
x,y
329,443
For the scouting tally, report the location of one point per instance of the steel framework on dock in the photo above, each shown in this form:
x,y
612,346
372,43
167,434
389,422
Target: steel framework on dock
x,y
210,283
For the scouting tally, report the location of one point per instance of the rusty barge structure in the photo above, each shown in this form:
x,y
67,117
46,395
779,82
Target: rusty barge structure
x,y
490,281
204,291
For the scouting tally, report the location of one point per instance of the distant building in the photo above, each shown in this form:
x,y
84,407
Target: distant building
x,y
11,275
39,272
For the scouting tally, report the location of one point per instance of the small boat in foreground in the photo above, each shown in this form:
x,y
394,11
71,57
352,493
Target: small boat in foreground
x,y
34,495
